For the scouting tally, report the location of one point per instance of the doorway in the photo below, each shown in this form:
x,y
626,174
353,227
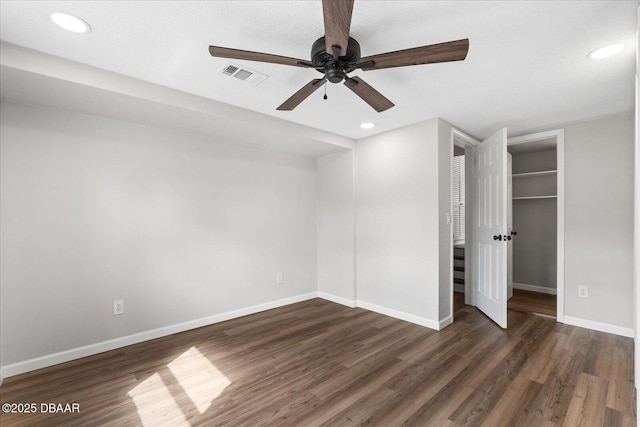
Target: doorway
x,y
462,197
535,253
465,270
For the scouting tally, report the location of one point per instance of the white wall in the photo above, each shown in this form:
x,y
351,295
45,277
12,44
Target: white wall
x,y
398,222
181,227
599,221
336,227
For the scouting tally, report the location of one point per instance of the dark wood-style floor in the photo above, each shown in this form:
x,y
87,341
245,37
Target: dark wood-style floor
x,y
533,302
319,363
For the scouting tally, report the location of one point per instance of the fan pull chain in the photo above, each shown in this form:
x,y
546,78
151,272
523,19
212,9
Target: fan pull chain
x,y
325,92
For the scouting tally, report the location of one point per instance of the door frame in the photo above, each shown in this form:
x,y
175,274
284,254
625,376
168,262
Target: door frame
x,y
464,141
559,136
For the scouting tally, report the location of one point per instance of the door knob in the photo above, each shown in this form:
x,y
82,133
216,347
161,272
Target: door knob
x,y
497,237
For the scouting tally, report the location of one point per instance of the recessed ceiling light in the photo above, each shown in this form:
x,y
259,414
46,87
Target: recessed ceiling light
x,y
367,125
70,22
606,51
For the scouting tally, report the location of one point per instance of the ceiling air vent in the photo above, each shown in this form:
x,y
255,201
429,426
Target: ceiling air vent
x,y
229,70
244,74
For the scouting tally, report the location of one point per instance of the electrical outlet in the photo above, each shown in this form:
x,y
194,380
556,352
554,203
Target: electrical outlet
x,y
279,278
583,292
118,307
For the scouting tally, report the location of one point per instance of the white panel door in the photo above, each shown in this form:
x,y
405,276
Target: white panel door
x,y
491,227
509,226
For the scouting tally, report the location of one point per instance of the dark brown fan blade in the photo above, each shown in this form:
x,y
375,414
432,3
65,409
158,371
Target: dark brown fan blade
x,y
302,94
225,52
368,94
337,20
441,52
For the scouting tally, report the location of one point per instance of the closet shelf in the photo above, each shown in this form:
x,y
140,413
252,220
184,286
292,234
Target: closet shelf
x,y
552,196
538,173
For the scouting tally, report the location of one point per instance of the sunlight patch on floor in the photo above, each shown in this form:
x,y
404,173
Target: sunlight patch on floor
x,y
199,378
154,403
191,380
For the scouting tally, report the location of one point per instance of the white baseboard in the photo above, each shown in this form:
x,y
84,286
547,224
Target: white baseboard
x,y
89,350
598,326
445,322
418,320
534,288
387,311
339,300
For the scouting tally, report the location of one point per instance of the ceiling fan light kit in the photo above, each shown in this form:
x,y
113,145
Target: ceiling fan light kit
x,y
335,55
335,70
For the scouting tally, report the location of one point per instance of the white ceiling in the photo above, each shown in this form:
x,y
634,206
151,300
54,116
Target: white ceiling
x,y
527,66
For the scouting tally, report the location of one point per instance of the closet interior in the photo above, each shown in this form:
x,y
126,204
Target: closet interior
x,y
532,223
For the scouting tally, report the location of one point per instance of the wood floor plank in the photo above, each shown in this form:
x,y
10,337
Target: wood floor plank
x,y
601,348
621,394
335,405
552,402
436,410
411,397
533,302
585,407
320,363
513,411
539,368
494,347
477,406
357,414
385,338
613,418
338,381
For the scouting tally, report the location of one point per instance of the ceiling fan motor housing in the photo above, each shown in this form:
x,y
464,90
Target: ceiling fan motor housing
x,y
335,71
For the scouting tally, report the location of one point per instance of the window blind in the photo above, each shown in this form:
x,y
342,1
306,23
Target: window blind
x,y
458,198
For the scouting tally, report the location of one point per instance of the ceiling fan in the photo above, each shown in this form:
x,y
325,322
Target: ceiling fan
x,y
336,54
